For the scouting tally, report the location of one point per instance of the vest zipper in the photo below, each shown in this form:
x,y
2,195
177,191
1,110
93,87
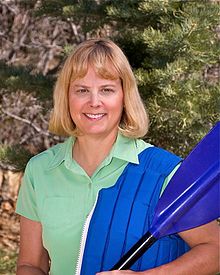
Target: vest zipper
x,y
83,239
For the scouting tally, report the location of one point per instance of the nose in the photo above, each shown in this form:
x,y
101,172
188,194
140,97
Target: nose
x,y
94,100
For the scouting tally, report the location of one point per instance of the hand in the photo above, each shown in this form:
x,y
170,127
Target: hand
x,y
127,272
118,272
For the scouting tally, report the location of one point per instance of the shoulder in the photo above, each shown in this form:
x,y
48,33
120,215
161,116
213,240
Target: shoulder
x,y
47,157
141,145
145,148
159,159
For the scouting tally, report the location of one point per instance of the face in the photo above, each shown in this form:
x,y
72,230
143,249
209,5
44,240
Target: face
x,y
96,104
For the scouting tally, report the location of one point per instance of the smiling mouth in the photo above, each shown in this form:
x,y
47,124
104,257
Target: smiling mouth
x,y
95,116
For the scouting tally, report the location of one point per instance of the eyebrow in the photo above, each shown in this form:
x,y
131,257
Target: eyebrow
x,y
85,86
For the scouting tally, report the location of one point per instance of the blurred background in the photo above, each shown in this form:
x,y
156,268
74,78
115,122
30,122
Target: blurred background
x,y
174,50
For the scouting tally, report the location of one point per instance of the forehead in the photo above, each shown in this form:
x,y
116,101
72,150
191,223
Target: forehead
x,y
92,78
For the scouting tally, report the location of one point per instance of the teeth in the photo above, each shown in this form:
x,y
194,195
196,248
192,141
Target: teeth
x,y
95,115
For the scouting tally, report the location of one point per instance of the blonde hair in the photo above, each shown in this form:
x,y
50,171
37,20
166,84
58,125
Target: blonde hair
x,y
99,53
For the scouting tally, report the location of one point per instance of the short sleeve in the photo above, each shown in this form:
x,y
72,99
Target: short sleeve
x,y
26,204
168,178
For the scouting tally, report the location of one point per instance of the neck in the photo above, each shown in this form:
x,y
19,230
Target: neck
x,y
89,152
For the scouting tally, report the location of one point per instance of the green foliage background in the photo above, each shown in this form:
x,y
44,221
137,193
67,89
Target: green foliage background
x,y
7,263
171,46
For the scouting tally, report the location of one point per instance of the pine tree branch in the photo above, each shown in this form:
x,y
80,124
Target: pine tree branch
x,y
13,9
24,120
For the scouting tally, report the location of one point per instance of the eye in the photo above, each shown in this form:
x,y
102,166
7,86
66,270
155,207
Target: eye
x,y
82,91
107,90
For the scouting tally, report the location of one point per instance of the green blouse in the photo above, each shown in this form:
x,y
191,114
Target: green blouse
x,y
57,192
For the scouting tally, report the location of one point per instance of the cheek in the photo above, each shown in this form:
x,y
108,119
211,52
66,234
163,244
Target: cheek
x,y
74,111
116,108
119,105
117,102
74,104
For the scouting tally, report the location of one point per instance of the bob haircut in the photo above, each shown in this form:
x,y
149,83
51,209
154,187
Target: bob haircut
x,y
109,62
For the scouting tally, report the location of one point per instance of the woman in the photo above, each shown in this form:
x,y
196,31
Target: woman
x,y
83,203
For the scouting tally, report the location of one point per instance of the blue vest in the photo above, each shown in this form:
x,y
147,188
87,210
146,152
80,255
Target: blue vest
x,y
124,212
